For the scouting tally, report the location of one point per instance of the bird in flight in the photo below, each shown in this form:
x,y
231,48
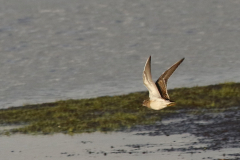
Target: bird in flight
x,y
158,95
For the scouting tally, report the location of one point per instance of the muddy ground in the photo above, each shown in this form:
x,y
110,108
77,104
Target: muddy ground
x,y
216,129
200,135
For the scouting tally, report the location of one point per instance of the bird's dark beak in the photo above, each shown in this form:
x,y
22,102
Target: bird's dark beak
x,y
171,104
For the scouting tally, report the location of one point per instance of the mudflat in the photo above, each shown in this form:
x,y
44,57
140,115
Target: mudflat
x,y
183,135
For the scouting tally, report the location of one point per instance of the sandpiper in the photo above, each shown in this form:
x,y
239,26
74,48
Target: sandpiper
x,y
158,95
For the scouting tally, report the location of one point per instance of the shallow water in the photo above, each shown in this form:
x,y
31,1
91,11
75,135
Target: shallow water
x,y
101,146
53,50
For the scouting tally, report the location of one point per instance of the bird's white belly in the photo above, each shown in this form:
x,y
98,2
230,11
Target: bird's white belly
x,y
157,105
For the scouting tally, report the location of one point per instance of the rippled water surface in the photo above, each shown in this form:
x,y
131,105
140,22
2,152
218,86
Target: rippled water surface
x,y
51,50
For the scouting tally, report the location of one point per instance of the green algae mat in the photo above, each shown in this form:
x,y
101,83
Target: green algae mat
x,y
112,113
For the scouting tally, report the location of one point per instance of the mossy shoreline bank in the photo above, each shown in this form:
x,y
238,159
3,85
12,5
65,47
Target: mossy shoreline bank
x,y
111,113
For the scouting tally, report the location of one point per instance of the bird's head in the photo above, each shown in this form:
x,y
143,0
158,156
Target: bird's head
x,y
146,103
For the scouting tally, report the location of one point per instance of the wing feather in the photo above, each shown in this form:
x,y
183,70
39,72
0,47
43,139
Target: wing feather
x,y
161,83
148,82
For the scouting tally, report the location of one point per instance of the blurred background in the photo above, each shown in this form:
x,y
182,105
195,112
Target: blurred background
x,y
62,49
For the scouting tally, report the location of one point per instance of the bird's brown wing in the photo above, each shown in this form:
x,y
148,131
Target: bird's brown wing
x,y
161,83
162,88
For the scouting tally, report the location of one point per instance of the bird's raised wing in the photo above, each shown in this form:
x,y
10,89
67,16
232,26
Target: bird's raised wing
x,y
148,82
161,83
